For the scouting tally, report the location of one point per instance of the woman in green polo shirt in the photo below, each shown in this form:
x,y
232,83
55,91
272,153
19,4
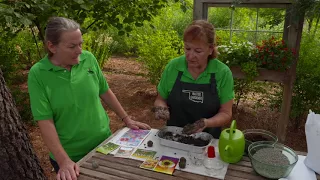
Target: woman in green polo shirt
x,y
196,89
65,88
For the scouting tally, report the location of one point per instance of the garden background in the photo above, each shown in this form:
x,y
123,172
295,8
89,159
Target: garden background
x,y
134,40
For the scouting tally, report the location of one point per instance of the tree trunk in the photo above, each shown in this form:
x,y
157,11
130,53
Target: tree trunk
x,y
17,158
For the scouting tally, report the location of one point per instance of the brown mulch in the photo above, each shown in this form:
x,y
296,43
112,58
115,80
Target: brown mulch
x,y
127,79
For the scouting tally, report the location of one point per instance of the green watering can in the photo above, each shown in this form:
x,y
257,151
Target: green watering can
x,y
231,144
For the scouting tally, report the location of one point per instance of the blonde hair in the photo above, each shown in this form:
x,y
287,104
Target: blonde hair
x,y
202,30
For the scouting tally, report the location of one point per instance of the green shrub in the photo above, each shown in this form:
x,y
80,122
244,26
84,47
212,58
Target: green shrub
x,y
100,44
220,17
177,18
9,58
170,18
306,94
121,46
156,50
235,54
30,52
160,40
17,54
21,99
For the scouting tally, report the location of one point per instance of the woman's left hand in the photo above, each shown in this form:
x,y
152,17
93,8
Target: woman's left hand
x,y
132,124
196,127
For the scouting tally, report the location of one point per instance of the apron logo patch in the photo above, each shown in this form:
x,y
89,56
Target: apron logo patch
x,y
195,96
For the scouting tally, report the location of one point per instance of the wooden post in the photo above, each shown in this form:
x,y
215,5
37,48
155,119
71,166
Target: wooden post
x,y
293,36
200,9
205,9
197,9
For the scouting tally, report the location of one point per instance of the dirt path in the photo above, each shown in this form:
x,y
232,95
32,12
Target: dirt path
x,y
126,78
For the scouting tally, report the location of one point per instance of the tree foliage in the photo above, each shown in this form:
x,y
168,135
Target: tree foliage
x,y
309,8
123,15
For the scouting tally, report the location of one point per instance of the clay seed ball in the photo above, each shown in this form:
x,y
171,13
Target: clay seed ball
x,y
182,163
150,143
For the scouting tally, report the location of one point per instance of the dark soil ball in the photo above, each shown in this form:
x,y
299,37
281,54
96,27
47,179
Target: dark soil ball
x,y
150,143
183,159
94,164
182,163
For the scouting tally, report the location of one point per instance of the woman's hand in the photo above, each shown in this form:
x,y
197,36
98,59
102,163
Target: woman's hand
x,y
196,127
68,170
161,113
135,124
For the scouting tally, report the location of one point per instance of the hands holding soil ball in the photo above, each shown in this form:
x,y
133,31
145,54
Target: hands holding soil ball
x,y
161,113
195,127
186,139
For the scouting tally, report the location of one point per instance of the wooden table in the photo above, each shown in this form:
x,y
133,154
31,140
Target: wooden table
x,y
120,169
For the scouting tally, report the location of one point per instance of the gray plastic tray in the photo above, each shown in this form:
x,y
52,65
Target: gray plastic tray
x,y
182,146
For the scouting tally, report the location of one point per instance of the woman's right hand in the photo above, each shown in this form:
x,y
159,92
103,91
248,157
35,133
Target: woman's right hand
x,y
161,112
68,170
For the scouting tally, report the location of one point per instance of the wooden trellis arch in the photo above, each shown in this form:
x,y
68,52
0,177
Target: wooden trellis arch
x,y
292,32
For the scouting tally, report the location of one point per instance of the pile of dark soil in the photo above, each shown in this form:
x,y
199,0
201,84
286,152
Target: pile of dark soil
x,y
257,137
185,139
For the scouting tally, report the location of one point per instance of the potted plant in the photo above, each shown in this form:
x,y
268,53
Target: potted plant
x,y
246,60
274,54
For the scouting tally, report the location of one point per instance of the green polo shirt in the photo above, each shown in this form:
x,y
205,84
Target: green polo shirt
x,y
71,99
223,75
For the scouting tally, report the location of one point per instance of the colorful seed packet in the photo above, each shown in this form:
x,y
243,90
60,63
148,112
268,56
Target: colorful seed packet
x,y
124,152
132,138
142,154
107,148
149,164
166,165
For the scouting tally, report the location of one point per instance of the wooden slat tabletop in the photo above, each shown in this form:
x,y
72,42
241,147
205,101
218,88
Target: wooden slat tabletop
x,y
121,169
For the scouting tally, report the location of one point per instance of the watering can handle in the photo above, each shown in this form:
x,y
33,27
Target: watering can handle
x,y
233,127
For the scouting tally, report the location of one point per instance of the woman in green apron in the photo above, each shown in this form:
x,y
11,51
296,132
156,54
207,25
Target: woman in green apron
x,y
196,89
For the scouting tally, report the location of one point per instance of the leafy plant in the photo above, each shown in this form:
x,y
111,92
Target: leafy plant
x,y
306,94
100,44
124,15
9,59
274,54
170,18
21,99
235,54
178,19
270,54
12,64
30,51
155,52
250,69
